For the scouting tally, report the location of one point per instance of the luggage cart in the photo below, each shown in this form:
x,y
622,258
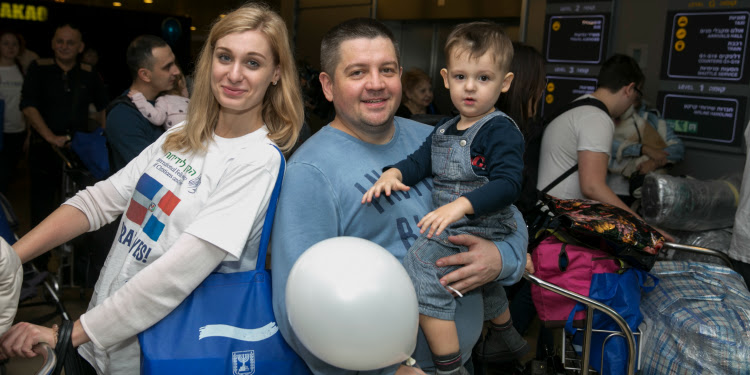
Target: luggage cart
x,y
581,364
591,305
50,359
75,177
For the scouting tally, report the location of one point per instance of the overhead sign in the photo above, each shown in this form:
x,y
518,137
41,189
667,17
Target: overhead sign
x,y
23,12
711,119
576,39
707,46
563,90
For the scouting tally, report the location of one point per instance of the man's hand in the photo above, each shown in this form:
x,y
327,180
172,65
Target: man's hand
x,y
481,264
659,156
389,181
58,140
437,220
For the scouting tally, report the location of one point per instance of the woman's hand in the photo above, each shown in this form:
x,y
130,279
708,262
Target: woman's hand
x,y
658,155
20,338
647,166
667,237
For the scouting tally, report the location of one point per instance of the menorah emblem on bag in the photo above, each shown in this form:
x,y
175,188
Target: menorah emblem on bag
x,y
243,357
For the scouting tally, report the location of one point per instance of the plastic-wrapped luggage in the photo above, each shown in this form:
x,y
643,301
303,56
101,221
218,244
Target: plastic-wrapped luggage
x,y
698,321
688,204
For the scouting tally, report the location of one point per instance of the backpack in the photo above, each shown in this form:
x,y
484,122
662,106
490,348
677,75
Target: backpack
x,y
125,100
529,193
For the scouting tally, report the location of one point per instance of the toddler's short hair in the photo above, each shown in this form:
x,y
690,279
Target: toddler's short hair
x,y
477,38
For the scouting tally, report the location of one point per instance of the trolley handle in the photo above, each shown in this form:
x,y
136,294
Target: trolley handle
x,y
62,156
700,250
591,306
50,359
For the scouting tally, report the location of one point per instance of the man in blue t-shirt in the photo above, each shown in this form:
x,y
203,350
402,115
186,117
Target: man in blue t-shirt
x,y
328,174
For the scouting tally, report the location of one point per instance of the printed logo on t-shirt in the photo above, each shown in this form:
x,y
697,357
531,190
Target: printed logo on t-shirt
x,y
193,184
479,162
177,169
150,202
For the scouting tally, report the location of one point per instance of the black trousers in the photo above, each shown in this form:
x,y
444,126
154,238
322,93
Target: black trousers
x,y
45,170
10,155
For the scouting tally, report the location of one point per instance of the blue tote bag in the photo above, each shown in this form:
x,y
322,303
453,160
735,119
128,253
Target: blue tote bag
x,y
91,148
622,293
226,326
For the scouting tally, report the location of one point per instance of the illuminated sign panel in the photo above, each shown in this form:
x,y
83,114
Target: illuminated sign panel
x,y
23,12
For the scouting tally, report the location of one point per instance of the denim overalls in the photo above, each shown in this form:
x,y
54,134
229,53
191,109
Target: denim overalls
x,y
453,177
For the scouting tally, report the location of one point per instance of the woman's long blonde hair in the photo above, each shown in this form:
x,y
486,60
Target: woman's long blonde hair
x,y
283,110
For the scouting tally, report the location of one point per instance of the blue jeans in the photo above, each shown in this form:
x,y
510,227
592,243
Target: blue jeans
x,y
434,300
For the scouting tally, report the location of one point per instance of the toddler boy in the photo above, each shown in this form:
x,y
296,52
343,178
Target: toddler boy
x,y
476,161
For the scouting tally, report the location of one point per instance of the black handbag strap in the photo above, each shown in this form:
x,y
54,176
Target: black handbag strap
x,y
67,355
270,213
560,179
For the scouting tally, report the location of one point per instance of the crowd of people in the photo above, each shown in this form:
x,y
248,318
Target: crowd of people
x,y
191,173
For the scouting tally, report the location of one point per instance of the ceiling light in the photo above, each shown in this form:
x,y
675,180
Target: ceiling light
x,y
117,4
222,15
148,1
192,28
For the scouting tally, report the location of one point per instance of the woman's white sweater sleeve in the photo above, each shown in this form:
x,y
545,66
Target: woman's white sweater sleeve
x,y
101,203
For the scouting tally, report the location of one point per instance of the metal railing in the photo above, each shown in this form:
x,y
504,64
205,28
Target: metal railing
x,y
591,306
50,359
699,250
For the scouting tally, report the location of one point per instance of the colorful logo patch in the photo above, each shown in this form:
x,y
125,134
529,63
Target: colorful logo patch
x,y
150,202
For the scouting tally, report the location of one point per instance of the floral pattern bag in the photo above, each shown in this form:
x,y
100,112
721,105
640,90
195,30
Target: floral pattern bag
x,y
599,226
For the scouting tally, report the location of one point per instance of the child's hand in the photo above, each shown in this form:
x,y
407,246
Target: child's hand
x,y
132,93
448,214
389,181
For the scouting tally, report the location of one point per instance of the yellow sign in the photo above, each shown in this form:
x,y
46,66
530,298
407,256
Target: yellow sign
x,y
682,21
23,12
556,25
681,33
679,46
550,87
549,98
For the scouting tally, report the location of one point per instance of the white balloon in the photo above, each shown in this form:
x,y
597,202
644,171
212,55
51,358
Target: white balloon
x,y
351,303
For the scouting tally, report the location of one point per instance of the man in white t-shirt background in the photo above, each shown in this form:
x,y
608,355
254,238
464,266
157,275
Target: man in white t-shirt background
x,y
583,135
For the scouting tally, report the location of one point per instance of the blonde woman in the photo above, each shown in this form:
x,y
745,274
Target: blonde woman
x,y
190,201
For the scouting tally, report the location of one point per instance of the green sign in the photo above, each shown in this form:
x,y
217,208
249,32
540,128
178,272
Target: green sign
x,y
684,126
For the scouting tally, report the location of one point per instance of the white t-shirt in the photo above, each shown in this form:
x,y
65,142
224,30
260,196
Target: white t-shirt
x,y
219,196
584,128
11,81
